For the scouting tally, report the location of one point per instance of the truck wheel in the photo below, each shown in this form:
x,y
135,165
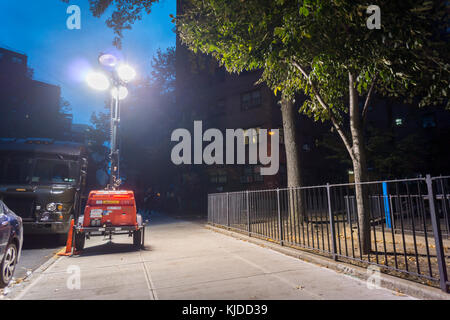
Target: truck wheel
x,y
8,265
80,238
137,238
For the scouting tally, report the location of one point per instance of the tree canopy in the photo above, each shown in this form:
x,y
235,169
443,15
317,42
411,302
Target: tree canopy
x,y
163,70
326,51
311,46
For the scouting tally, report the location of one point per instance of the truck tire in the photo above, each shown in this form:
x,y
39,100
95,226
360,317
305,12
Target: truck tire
x,y
137,238
80,239
61,239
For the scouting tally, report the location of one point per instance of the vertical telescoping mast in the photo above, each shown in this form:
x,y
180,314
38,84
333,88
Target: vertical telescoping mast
x,y
114,181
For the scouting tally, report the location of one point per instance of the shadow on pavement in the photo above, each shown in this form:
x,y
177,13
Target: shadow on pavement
x,y
110,247
43,241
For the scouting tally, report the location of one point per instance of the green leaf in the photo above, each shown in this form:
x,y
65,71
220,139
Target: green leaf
x,y
304,11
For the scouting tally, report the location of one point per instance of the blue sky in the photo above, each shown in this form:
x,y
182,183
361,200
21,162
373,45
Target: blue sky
x,y
62,57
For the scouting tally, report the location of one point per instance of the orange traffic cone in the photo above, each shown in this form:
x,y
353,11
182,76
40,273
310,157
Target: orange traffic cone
x,y
68,250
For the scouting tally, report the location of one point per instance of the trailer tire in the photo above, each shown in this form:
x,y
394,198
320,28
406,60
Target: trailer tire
x,y
80,239
137,238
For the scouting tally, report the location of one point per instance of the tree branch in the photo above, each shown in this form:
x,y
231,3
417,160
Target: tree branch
x,y
324,105
368,97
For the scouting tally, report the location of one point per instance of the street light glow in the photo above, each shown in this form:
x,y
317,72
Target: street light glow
x,y
123,92
107,60
126,73
97,81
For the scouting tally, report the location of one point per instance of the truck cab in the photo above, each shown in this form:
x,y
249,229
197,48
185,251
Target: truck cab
x,y
42,181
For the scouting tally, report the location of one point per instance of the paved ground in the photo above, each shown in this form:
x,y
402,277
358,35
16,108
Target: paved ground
x,y
36,251
183,260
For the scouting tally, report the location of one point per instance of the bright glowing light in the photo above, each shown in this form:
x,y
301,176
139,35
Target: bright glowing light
x,y
77,69
97,81
108,60
123,92
126,73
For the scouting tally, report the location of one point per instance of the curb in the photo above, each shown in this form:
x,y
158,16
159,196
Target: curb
x,y
29,280
399,285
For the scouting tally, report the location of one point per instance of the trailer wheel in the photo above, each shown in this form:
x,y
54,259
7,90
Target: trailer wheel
x,y
137,238
80,239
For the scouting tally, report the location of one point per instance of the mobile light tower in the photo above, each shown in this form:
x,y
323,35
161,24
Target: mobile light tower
x,y
98,215
115,76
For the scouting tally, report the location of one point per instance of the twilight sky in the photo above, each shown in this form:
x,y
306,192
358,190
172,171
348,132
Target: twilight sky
x,y
62,57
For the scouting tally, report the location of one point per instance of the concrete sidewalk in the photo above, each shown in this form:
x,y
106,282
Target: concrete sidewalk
x,y
184,260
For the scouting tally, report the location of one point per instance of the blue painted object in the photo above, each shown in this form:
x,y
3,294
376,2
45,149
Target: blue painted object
x,y
387,212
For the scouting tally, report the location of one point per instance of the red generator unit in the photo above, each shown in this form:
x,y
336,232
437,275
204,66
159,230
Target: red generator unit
x,y
109,212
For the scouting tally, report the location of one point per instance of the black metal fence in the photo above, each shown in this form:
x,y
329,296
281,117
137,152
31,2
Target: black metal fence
x,y
409,234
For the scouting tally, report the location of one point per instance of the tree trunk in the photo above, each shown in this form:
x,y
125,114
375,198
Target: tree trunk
x,y
356,149
359,168
294,177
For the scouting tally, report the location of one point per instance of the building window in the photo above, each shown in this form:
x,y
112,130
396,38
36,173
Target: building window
x,y
316,142
17,60
219,176
399,122
257,176
306,147
428,121
250,100
251,174
281,135
254,138
219,109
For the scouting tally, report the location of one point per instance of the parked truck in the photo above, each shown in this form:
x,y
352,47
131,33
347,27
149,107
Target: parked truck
x,y
42,181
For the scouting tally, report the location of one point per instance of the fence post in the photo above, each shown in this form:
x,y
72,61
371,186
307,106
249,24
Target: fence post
x,y
280,225
444,207
330,215
248,216
228,210
211,198
443,277
209,209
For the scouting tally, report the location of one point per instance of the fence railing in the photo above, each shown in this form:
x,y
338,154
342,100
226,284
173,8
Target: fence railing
x,y
409,223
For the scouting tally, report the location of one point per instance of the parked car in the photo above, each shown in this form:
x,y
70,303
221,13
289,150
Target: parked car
x,y
11,239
